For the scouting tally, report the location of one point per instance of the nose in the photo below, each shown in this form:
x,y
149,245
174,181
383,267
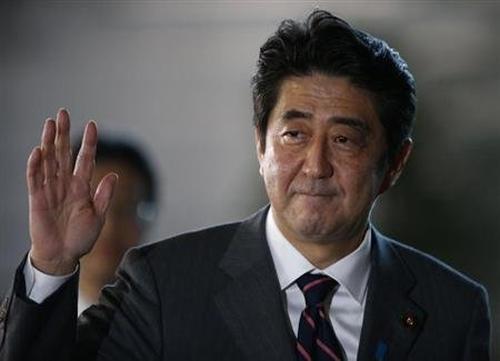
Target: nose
x,y
317,162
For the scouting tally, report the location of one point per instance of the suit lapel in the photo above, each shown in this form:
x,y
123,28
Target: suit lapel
x,y
252,303
392,320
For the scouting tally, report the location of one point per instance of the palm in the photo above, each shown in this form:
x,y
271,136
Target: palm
x,y
65,217
66,223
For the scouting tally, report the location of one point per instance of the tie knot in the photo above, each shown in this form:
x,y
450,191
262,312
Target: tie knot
x,y
315,287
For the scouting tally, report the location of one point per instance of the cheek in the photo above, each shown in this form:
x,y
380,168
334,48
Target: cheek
x,y
361,185
278,170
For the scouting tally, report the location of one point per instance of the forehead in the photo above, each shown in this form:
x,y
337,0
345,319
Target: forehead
x,y
324,96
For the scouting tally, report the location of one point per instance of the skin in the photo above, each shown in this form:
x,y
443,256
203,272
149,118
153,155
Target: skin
x,y
321,164
121,231
65,214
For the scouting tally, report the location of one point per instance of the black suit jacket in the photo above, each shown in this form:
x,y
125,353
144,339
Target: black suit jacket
x,y
214,295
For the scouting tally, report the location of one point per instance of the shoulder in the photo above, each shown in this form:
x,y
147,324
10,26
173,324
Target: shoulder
x,y
206,245
210,237
435,274
187,251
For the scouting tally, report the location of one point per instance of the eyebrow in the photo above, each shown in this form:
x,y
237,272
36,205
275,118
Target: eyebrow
x,y
294,114
349,121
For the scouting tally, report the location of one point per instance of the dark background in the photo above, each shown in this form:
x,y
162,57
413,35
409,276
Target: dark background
x,y
175,75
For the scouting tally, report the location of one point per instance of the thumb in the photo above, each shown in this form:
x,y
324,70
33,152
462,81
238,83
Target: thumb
x,y
104,193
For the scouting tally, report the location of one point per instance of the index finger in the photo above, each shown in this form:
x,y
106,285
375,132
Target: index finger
x,y
85,160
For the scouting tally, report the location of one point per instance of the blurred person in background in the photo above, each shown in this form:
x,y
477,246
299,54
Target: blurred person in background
x,y
130,213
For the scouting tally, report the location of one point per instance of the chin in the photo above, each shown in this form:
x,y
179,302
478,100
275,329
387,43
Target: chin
x,y
313,226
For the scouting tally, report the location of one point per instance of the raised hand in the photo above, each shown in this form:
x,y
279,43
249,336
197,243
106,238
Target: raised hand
x,y
65,218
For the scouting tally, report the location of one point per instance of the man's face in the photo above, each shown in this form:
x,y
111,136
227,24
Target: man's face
x,y
323,159
122,229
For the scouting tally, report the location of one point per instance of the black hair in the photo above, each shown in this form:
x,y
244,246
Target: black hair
x,y
327,44
127,151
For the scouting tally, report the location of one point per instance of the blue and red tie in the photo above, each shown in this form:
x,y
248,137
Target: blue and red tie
x,y
316,340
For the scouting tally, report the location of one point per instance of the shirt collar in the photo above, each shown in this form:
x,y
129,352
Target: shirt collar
x,y
351,271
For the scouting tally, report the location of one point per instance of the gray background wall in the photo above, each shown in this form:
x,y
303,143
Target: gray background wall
x,y
175,75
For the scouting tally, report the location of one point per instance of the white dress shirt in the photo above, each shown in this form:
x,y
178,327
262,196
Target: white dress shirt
x,y
40,285
351,272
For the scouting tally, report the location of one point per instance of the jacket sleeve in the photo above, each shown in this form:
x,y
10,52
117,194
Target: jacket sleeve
x,y
125,325
478,343
31,331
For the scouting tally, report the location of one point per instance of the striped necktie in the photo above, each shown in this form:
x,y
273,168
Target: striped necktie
x,y
316,340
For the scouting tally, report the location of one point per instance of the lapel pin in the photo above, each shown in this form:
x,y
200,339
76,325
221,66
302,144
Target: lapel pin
x,y
409,320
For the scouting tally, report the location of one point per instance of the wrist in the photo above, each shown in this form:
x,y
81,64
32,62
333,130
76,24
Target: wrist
x,y
54,267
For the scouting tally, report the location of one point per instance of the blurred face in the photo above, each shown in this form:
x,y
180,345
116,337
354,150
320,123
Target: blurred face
x,y
123,228
323,161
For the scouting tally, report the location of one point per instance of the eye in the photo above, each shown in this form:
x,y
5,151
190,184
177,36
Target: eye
x,y
341,139
348,142
293,136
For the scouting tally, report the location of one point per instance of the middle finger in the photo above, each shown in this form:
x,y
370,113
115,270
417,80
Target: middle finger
x,y
62,143
48,153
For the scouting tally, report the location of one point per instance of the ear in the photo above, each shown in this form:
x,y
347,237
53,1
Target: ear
x,y
259,147
396,167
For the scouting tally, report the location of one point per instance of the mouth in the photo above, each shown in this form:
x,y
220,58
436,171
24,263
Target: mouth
x,y
315,190
316,194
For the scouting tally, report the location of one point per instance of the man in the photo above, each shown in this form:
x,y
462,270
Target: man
x,y
131,211
307,278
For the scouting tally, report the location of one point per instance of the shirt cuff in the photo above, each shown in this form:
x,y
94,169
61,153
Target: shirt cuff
x,y
39,285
